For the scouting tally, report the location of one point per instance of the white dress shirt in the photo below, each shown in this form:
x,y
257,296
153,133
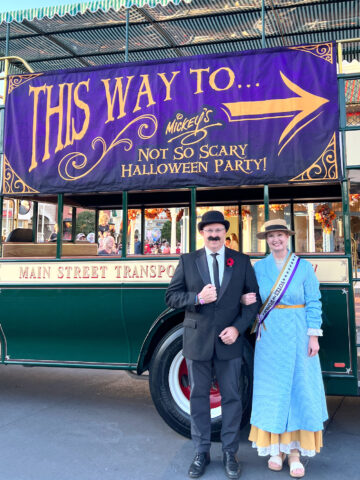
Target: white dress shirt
x,y
221,262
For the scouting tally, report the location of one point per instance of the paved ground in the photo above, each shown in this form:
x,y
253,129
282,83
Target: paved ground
x,y
70,424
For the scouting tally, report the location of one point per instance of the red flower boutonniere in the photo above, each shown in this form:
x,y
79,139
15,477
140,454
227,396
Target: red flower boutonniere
x,y
230,262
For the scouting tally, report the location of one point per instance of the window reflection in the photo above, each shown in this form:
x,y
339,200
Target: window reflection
x,y
231,213
252,217
318,227
166,231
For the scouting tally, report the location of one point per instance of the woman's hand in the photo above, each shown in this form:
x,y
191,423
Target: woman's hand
x,y
248,298
313,346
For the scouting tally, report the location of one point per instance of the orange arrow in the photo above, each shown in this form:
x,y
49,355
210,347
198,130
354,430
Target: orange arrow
x,y
306,103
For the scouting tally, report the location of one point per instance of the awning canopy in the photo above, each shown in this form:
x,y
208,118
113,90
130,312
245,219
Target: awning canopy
x,y
93,33
72,9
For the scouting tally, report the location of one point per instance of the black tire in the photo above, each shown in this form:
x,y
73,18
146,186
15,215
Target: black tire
x,y
169,401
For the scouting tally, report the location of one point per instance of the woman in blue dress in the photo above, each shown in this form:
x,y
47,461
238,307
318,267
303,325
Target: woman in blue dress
x,y
289,405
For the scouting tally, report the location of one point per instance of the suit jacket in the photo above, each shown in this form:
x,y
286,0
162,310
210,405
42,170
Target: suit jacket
x,y
203,323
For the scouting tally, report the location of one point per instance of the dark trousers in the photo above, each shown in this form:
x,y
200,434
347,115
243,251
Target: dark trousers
x,y
228,376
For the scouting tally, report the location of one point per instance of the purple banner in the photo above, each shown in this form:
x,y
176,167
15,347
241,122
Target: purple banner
x,y
256,117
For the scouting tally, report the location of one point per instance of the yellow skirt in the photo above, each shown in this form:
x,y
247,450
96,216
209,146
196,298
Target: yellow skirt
x,y
267,443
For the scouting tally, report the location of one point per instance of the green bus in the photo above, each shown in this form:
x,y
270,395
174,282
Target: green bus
x,y
83,274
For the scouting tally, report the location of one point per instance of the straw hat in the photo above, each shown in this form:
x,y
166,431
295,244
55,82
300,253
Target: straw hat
x,y
276,225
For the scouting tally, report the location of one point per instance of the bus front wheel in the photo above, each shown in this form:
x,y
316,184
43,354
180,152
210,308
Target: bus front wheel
x,y
170,390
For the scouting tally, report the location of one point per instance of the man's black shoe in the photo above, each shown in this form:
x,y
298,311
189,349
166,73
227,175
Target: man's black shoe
x,y
197,468
232,465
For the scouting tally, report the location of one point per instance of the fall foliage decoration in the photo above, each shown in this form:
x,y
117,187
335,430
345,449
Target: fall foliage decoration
x,y
325,216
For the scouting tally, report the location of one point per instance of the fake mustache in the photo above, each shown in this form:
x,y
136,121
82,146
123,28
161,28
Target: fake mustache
x,y
214,239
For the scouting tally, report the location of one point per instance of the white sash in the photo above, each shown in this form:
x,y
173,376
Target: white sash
x,y
277,292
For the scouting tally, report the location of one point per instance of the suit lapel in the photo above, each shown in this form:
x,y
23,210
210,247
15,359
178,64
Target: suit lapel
x,y
202,266
227,274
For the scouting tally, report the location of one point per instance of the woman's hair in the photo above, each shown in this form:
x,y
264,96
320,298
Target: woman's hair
x,y
234,237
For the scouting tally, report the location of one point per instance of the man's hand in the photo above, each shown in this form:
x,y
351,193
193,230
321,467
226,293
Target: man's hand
x,y
208,293
313,346
229,335
248,298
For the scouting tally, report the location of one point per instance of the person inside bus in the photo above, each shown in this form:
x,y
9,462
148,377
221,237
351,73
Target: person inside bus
x,y
103,224
234,244
227,242
137,245
80,237
289,405
108,246
147,248
208,284
166,249
53,236
90,237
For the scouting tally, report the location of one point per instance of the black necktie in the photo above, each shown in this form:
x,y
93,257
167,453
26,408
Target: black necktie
x,y
216,272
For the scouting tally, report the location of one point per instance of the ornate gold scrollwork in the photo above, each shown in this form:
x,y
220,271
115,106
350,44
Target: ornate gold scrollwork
x,y
18,80
147,121
324,168
12,183
323,50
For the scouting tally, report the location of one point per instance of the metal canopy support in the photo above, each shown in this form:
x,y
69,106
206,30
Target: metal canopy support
x,y
127,35
263,42
7,41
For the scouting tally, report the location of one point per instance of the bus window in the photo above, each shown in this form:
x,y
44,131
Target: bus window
x,y
8,216
319,227
231,213
354,204
166,231
252,217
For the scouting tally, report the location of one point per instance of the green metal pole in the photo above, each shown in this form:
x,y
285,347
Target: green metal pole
x,y
73,224
97,226
1,219
60,225
266,209
266,202
142,233
292,225
346,216
35,221
125,224
193,219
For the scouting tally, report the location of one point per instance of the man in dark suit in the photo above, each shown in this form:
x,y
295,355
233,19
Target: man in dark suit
x,y
208,284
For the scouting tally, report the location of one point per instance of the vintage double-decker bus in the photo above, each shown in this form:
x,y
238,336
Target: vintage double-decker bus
x,y
106,172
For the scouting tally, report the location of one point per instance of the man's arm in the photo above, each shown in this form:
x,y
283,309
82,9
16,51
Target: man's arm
x,y
176,295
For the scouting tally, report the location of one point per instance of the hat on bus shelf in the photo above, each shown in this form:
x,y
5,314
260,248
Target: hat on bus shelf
x,y
276,225
213,216
80,236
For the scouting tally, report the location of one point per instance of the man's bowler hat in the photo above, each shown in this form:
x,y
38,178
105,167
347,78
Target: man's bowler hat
x,y
213,216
